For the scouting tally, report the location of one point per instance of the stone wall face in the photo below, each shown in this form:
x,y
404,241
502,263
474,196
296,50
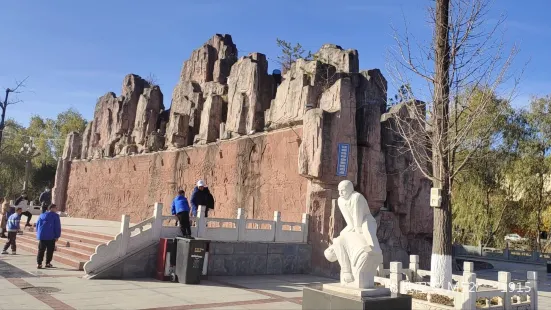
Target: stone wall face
x,y
258,174
258,258
224,259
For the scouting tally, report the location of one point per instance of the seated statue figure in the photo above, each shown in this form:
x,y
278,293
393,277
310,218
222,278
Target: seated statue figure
x,y
356,248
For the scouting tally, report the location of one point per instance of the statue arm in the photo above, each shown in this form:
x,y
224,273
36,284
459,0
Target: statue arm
x,y
360,204
348,217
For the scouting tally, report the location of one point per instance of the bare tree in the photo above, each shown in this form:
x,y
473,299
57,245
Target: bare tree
x,y
462,70
4,105
152,80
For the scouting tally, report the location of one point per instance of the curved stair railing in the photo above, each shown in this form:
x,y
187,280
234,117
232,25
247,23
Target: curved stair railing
x,y
128,241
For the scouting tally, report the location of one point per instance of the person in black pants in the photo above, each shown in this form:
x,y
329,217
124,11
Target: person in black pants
x,y
180,208
23,202
45,200
48,230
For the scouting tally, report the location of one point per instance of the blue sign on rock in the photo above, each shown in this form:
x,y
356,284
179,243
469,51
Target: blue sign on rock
x,y
342,162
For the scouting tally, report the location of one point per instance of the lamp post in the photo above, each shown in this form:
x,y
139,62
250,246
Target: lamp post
x,y
29,152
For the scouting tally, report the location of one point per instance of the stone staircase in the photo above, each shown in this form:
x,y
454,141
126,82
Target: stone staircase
x,y
73,248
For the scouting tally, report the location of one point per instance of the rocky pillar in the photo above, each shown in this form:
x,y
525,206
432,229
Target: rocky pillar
x,y
371,102
71,151
328,155
249,94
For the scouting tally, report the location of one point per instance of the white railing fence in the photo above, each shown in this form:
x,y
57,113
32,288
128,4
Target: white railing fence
x,y
242,229
128,241
133,238
465,292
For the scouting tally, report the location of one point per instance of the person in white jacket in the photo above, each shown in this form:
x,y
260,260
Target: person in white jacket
x,y
23,202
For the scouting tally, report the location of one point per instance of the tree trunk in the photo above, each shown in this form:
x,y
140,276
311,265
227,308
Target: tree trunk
x,y
441,260
3,105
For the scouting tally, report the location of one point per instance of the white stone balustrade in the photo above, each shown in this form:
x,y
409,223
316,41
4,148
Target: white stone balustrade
x,y
128,241
465,290
134,238
241,229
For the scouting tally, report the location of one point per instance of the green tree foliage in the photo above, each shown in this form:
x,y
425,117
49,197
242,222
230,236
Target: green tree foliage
x,y
507,188
48,136
12,167
65,123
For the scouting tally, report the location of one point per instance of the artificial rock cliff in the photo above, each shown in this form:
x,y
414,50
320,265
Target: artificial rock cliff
x,y
324,122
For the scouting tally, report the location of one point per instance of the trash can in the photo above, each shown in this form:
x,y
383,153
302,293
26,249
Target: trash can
x,y
190,257
166,259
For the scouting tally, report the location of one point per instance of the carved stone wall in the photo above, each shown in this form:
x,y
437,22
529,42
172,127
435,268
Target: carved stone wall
x,y
258,174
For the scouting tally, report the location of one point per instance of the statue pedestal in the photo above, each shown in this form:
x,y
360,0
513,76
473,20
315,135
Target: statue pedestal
x,y
318,297
357,292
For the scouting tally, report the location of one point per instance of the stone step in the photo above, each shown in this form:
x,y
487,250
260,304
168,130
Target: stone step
x,y
58,257
84,234
84,247
71,243
76,238
79,255
90,234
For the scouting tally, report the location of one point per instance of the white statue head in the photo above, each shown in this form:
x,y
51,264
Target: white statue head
x,y
330,254
346,188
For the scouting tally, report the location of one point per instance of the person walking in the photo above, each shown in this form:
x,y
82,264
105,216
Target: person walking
x,y
45,199
5,214
13,227
201,196
48,230
23,202
180,208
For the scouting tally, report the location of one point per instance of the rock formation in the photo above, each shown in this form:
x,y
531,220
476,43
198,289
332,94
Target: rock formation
x,y
204,75
124,120
345,135
71,150
249,95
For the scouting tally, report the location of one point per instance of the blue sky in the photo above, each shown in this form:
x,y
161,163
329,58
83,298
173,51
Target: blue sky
x,y
76,51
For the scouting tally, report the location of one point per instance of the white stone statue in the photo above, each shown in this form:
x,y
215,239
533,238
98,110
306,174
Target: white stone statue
x,y
356,248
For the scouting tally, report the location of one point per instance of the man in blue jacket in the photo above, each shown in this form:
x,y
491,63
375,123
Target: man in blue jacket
x,y
48,230
180,208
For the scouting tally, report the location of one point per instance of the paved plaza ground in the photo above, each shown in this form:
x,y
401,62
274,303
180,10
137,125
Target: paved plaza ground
x,y
22,286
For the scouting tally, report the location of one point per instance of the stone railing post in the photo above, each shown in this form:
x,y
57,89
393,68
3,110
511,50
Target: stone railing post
x,y
277,225
381,271
157,225
532,282
535,256
201,222
468,268
414,267
506,252
241,225
305,223
468,292
395,277
125,235
504,278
